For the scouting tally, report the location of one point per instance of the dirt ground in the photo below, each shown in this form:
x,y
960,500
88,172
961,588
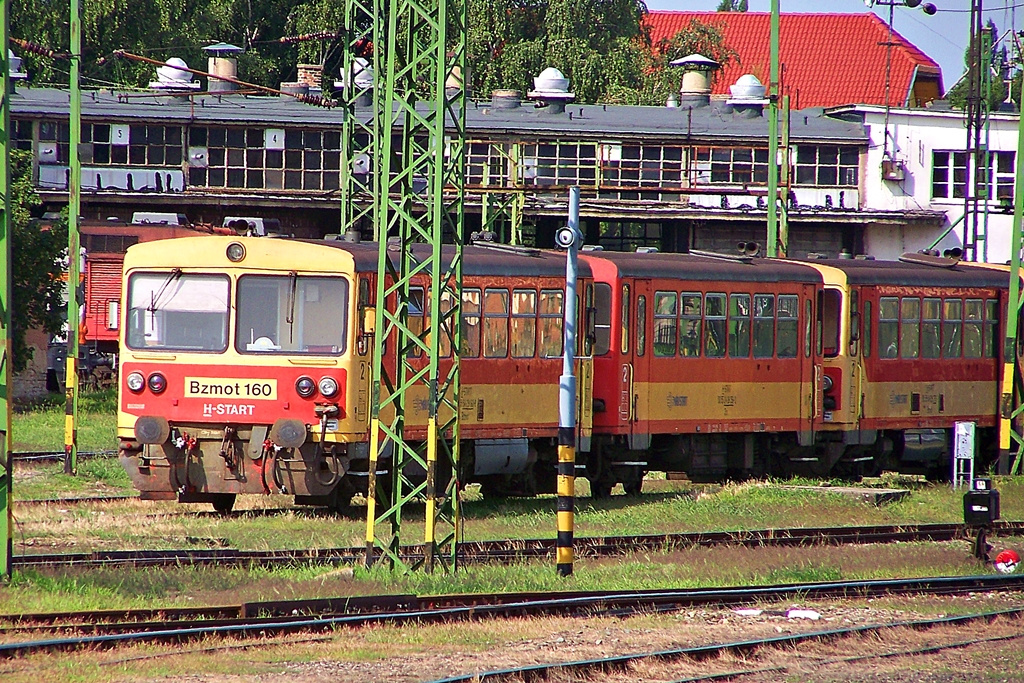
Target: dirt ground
x,y
984,651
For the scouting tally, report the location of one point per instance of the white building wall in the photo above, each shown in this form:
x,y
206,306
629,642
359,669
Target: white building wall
x,y
913,135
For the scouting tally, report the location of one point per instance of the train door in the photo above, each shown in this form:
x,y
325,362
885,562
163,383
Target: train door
x,y
810,366
838,350
635,369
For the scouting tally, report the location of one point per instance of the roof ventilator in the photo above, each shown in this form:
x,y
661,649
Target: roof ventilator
x,y
695,91
748,98
551,91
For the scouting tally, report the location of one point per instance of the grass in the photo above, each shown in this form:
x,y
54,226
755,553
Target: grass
x,y
39,426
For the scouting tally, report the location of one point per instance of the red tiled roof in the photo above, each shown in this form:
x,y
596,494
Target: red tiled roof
x,y
827,59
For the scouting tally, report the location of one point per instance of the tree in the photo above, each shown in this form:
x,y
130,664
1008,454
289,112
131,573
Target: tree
x,y
36,270
696,38
600,45
957,95
732,6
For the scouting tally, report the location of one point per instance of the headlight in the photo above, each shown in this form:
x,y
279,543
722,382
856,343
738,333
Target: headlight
x,y
827,383
235,252
328,387
305,387
135,382
157,383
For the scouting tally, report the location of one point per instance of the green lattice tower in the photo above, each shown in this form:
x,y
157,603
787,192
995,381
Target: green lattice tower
x,y
501,194
421,202
1011,404
6,517
359,104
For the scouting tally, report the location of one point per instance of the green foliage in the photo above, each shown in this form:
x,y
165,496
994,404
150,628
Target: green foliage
x,y
732,6
35,269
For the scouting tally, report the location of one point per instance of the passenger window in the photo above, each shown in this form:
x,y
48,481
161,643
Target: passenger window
x,y
665,312
931,311
831,313
524,323
764,325
952,328
807,328
787,326
445,323
495,323
624,328
470,323
689,325
641,325
415,321
888,327
550,317
867,329
602,318
973,314
991,327
910,328
714,327
739,325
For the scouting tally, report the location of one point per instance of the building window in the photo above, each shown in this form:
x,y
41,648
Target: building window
x,y
559,163
827,165
951,169
729,166
22,134
627,236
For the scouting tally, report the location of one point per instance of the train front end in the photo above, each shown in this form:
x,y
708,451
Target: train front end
x,y
238,375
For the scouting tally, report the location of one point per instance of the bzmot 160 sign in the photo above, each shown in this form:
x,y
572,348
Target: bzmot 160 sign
x,y
230,387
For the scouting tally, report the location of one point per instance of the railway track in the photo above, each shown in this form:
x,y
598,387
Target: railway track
x,y
114,628
507,551
578,670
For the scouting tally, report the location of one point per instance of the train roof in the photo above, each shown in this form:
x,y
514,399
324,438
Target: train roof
x,y
698,267
902,273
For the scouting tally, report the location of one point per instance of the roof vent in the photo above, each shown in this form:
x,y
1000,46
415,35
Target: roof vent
x,y
14,67
551,91
505,99
696,88
454,82
174,77
748,98
222,62
361,73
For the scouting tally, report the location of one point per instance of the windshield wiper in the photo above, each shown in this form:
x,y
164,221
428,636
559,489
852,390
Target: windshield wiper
x,y
155,298
293,283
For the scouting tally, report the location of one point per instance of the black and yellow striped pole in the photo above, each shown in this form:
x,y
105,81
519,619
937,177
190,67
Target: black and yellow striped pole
x,y
569,238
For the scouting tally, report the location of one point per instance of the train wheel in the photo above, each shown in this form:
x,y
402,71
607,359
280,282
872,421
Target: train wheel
x,y
223,502
600,490
634,487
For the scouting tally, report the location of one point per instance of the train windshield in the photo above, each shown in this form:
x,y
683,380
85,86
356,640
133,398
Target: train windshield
x,y
178,311
293,314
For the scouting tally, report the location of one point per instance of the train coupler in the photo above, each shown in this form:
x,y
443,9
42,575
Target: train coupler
x,y
227,449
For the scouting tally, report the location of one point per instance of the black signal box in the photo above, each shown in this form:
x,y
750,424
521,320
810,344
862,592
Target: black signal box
x,y
981,508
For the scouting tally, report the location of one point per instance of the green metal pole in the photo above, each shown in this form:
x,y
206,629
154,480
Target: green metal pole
x,y
74,210
1010,441
785,182
773,138
6,498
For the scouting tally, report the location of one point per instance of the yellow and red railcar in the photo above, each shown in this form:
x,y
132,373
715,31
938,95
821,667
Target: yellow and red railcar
x,y
245,367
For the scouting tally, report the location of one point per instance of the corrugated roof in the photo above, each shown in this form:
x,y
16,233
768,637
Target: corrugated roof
x,y
828,59
716,122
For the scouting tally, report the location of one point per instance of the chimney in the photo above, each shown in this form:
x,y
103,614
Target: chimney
x,y
223,61
505,99
748,98
695,90
312,75
551,91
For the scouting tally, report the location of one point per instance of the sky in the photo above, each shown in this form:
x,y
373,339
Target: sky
x,y
943,37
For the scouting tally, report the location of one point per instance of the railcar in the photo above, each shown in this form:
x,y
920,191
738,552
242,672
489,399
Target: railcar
x,y
733,367
245,368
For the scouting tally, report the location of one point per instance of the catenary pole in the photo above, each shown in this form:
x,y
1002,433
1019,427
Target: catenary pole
x,y
773,137
6,468
74,210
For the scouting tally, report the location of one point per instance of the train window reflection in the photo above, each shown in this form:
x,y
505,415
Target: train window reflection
x,y
293,314
888,327
602,318
952,328
739,325
973,315
991,326
786,327
689,324
495,323
178,310
470,323
910,328
550,317
930,313
764,322
524,323
641,325
714,328
665,309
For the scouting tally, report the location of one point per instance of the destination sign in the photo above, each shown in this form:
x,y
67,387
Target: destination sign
x,y
231,387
